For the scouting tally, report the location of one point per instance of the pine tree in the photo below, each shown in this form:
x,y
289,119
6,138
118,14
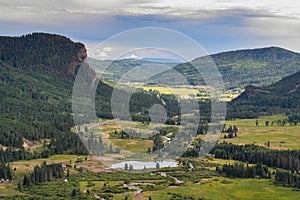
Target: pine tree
x,y
20,187
157,166
25,180
74,192
130,167
267,123
110,148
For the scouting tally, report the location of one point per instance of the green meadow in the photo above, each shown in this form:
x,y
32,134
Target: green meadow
x,y
280,137
219,188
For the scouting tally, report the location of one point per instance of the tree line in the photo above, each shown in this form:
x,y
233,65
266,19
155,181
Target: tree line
x,y
285,159
287,178
59,144
5,171
239,170
45,172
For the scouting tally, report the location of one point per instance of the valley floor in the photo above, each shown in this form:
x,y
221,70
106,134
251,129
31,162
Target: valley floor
x,y
89,177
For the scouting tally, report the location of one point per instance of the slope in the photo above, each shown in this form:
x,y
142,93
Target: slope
x,y
36,82
114,70
282,97
240,68
37,72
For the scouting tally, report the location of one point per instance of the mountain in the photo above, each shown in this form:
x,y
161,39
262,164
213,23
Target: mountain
x,y
244,67
45,53
113,70
37,74
36,80
282,97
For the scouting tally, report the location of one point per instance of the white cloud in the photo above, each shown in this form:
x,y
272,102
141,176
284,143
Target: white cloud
x,y
132,56
107,49
101,55
44,11
274,27
268,18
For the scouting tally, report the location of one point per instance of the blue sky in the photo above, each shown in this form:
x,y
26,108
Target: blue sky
x,y
216,25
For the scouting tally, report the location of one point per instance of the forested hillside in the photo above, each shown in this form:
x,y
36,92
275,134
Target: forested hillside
x,y
244,67
36,83
40,52
282,97
36,79
114,70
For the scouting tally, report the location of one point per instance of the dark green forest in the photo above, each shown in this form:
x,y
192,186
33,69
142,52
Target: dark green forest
x,y
241,171
36,93
240,68
282,97
45,53
284,159
44,173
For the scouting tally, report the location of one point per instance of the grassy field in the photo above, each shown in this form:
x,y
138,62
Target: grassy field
x,y
117,125
220,161
106,130
84,185
135,146
8,190
280,137
213,187
27,166
225,188
220,188
181,91
200,91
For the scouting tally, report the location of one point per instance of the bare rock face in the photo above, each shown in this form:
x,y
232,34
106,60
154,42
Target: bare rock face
x,y
82,54
78,61
252,91
43,53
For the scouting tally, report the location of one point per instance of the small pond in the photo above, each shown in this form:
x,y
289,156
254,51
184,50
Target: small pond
x,y
142,165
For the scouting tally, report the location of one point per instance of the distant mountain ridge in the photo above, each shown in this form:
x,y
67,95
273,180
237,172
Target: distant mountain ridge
x,y
113,70
240,68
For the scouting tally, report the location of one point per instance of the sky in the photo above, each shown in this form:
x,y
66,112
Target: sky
x,y
217,25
